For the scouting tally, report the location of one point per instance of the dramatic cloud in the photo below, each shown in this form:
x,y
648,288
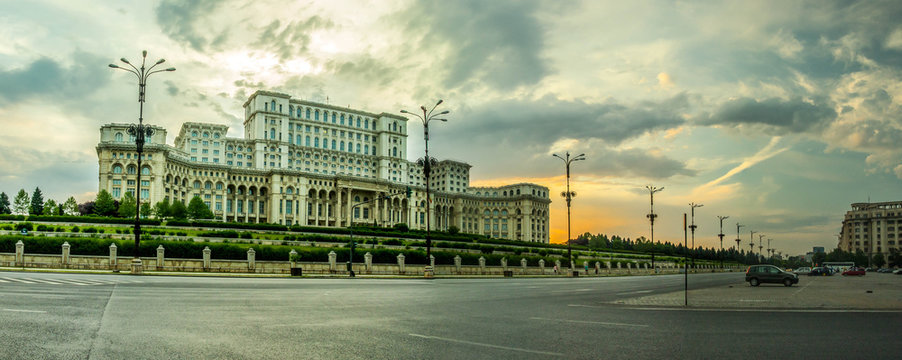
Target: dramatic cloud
x,y
50,80
179,20
492,42
776,116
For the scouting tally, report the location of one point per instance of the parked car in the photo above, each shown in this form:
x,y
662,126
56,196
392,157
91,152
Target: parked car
x,y
757,274
898,272
820,271
803,270
854,272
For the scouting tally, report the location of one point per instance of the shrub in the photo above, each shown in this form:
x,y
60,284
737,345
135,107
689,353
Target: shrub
x,y
43,227
89,230
24,226
74,229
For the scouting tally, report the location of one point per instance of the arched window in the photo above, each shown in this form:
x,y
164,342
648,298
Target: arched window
x,y
366,123
315,142
218,186
145,170
290,110
307,140
196,184
357,199
208,185
342,144
132,170
299,111
299,139
394,126
118,137
117,169
206,134
272,133
394,151
194,134
333,118
342,119
216,135
333,144
374,150
273,106
358,121
350,146
316,115
358,148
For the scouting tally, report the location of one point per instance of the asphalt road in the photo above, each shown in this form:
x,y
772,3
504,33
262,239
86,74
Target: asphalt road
x,y
81,316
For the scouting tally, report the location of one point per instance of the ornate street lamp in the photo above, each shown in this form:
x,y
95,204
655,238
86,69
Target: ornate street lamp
x,y
569,196
140,132
722,218
651,215
427,163
692,227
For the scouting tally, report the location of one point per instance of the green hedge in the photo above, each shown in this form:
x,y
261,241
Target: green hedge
x,y
228,225
90,219
12,217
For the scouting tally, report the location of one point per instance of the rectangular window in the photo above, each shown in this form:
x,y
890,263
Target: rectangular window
x,y
250,206
117,192
145,183
145,193
218,206
117,182
288,206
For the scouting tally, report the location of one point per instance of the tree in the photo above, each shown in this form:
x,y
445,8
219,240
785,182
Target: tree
x,y
895,257
21,203
70,207
877,260
178,211
161,209
453,230
103,204
198,210
127,206
819,258
37,202
145,210
86,208
50,207
4,204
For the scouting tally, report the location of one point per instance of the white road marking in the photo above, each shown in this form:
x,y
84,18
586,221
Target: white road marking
x,y
589,322
486,345
574,290
45,281
635,292
802,288
3,281
19,280
28,311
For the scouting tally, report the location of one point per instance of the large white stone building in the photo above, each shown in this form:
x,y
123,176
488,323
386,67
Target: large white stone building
x,y
873,228
307,163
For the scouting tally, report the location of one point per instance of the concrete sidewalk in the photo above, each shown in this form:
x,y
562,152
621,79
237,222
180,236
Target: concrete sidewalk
x,y
870,292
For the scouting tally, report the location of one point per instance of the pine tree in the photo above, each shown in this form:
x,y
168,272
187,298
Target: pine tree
x,y
37,202
4,204
104,205
50,207
127,206
70,207
21,203
178,211
145,210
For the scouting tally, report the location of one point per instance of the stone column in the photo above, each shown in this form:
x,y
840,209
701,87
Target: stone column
x,y
113,255
251,259
332,257
160,257
292,258
523,265
66,254
432,261
401,265
20,252
207,261
542,266
482,265
368,259
457,261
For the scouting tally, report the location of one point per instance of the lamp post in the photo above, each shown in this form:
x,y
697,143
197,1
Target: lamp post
x,y
721,218
760,246
651,215
140,131
427,163
738,240
752,242
569,196
692,227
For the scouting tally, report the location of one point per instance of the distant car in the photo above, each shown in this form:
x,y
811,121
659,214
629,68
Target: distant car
x,y
803,270
898,272
854,272
757,274
820,271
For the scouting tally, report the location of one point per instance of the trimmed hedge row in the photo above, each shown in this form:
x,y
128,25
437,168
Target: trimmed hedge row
x,y
194,250
90,219
12,217
228,225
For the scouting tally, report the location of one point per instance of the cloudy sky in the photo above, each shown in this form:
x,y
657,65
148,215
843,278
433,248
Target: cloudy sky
x,y
779,114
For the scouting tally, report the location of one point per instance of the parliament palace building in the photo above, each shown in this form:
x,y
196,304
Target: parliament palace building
x,y
313,164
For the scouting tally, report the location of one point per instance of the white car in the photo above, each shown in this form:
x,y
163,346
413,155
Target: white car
x,y
802,270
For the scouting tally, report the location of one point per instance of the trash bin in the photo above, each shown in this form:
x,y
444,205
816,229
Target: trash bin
x,y
508,273
575,273
295,271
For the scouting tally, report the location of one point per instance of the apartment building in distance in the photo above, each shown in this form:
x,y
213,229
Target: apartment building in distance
x,y
314,164
872,228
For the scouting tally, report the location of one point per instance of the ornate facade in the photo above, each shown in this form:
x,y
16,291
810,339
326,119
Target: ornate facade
x,y
306,163
874,228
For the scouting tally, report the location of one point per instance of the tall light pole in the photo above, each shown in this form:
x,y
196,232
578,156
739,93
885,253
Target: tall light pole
x,y
427,163
569,196
770,250
651,215
140,131
692,227
752,242
738,240
721,218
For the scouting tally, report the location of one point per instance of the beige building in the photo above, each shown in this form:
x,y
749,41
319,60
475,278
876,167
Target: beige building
x,y
872,228
306,163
